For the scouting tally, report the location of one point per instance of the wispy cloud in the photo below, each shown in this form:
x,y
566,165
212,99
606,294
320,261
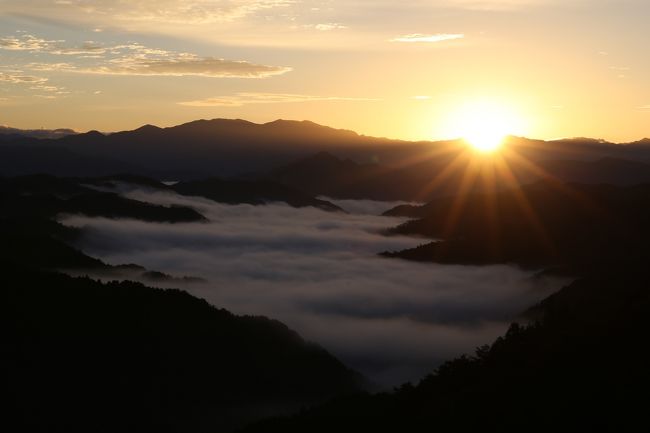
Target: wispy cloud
x,y
323,27
241,99
26,43
35,44
645,107
419,37
136,59
32,82
421,97
161,11
184,66
495,5
20,78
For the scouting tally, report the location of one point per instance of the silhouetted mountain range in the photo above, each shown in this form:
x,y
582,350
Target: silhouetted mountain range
x,y
9,134
221,147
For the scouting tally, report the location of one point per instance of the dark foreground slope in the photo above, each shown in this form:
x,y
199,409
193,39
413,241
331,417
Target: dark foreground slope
x,y
580,366
78,355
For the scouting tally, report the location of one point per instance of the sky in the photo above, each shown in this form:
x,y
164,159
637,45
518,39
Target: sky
x,y
319,273
413,70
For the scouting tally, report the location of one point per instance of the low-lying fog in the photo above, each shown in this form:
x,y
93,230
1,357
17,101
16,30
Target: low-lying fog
x,y
319,273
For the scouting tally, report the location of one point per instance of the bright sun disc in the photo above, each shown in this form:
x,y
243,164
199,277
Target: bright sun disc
x,y
484,125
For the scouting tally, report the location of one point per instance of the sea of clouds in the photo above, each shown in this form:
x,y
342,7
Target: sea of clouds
x,y
319,273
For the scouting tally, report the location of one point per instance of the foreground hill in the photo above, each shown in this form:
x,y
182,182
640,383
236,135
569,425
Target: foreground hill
x,y
581,365
79,355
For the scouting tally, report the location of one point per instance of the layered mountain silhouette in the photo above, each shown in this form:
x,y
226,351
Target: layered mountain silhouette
x,y
83,355
226,148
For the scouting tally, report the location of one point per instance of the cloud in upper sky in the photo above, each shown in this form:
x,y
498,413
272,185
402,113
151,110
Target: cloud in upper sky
x,y
134,59
255,22
241,99
319,273
167,11
20,78
31,82
419,37
180,66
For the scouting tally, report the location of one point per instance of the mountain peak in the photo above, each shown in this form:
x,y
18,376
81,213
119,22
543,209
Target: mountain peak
x,y
148,128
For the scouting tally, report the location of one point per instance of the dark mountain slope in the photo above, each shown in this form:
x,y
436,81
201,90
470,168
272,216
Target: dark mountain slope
x,y
29,156
229,191
47,196
443,174
544,224
78,355
582,366
250,192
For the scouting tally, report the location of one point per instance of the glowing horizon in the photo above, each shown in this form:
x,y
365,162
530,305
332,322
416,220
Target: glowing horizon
x,y
113,66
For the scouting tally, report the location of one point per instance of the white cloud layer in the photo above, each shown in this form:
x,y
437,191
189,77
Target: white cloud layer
x,y
319,273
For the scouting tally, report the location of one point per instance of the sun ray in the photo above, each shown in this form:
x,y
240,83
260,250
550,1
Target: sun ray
x,y
550,179
451,168
526,207
466,184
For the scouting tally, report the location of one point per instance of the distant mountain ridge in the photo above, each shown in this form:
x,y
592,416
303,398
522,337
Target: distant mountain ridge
x,y
377,168
8,133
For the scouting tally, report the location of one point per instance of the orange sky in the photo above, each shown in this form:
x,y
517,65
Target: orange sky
x,y
548,68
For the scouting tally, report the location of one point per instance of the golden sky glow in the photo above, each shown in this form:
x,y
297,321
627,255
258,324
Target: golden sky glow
x,y
546,68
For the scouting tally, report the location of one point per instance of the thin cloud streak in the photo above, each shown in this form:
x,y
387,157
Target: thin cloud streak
x,y
241,99
420,38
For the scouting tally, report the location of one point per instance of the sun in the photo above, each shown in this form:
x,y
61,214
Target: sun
x,y
484,125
